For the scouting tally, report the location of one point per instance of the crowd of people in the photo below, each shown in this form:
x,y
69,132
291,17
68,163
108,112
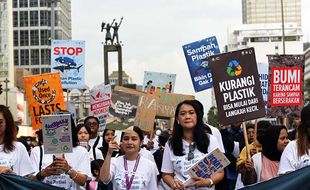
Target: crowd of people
x,y
160,159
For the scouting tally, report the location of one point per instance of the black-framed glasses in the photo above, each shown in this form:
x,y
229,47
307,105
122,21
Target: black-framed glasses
x,y
191,148
89,124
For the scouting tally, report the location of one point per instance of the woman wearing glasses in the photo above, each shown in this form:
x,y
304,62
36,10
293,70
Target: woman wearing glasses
x,y
189,143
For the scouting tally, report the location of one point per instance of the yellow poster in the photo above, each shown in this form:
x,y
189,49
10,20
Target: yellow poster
x,y
44,96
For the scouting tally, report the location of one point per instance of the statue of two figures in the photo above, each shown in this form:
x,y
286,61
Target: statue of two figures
x,y
108,37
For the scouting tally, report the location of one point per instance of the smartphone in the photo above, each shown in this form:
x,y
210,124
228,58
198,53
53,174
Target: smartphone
x,y
118,137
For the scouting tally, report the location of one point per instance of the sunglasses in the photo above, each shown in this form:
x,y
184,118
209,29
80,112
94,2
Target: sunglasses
x,y
190,155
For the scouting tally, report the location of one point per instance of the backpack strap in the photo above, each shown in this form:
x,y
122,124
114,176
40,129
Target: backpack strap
x,y
94,147
41,158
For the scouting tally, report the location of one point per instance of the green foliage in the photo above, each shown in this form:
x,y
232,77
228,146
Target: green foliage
x,y
213,117
307,89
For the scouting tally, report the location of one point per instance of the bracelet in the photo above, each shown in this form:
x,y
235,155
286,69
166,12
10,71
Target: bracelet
x,y
70,170
211,183
75,176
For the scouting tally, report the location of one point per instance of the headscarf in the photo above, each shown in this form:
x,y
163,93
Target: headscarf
x,y
269,142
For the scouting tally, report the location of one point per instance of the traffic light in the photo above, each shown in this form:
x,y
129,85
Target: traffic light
x,y
1,89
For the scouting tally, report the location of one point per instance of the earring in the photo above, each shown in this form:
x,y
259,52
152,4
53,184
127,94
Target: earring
x,y
178,121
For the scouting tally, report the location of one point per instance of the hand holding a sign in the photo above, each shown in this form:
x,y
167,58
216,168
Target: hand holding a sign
x,y
61,163
48,171
177,185
200,182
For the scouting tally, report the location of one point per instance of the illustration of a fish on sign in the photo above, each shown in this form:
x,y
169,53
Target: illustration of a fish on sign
x,y
66,63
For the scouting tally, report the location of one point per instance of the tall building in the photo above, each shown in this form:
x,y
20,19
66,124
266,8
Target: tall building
x,y
269,11
32,32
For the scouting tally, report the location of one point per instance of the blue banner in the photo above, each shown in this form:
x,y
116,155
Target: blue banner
x,y
196,55
68,58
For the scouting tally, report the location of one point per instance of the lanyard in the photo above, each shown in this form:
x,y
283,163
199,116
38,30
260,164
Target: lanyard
x,y
129,182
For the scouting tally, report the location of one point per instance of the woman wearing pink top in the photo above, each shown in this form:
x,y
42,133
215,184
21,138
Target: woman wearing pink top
x,y
264,165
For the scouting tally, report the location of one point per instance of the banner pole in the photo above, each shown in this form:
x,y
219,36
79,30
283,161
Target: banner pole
x,y
255,132
245,135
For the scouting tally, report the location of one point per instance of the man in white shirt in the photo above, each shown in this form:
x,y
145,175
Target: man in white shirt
x,y
93,123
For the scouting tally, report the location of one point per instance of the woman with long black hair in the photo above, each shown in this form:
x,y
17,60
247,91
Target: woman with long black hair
x,y
296,155
188,144
14,157
70,171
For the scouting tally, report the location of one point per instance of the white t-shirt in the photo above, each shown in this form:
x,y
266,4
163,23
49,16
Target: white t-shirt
x,y
18,160
145,176
91,142
78,160
179,164
216,132
147,154
97,152
290,161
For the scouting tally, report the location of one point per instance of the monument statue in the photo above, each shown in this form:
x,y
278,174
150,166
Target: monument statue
x,y
108,36
115,31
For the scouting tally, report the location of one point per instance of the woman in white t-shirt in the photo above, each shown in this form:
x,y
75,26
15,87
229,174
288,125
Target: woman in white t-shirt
x,y
130,171
68,171
14,157
296,155
83,134
188,144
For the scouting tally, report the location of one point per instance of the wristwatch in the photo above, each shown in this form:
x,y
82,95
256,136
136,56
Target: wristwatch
x,y
69,172
211,183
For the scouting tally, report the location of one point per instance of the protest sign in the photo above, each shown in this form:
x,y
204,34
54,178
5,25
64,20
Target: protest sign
x,y
158,82
44,95
68,58
122,111
100,97
286,85
146,111
237,87
168,103
57,135
196,55
211,163
152,105
263,78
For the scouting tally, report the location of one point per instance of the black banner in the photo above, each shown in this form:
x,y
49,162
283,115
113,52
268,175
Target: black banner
x,y
295,180
237,86
13,182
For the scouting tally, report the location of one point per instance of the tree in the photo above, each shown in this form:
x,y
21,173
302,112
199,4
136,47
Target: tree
x,y
213,117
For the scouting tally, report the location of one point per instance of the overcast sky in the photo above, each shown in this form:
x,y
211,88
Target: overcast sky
x,y
153,33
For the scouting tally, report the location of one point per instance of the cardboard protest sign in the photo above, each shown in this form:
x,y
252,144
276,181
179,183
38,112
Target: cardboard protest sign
x,y
57,135
68,58
286,85
44,95
122,111
168,103
196,54
146,111
237,87
152,105
100,97
158,82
